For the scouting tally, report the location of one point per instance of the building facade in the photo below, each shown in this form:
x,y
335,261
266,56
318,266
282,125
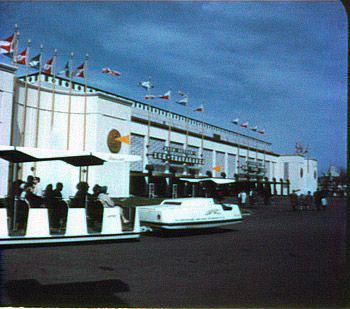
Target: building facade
x,y
46,112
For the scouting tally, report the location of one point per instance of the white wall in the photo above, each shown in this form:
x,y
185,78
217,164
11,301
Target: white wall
x,y
6,94
103,114
301,181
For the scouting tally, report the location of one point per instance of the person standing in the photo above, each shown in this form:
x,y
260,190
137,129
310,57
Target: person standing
x,y
252,197
324,202
317,199
293,197
267,194
242,196
309,201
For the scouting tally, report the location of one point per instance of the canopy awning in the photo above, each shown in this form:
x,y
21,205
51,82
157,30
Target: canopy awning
x,y
16,154
219,181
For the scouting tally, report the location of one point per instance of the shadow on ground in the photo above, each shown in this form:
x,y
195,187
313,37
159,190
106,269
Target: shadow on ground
x,y
188,233
30,293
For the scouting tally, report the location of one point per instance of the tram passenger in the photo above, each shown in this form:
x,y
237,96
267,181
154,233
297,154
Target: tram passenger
x,y
14,195
33,200
95,191
107,202
81,197
60,208
30,180
48,195
38,190
57,193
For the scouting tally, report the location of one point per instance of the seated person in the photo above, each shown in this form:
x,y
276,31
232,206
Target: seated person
x,y
80,198
57,193
48,195
33,200
107,202
60,208
38,191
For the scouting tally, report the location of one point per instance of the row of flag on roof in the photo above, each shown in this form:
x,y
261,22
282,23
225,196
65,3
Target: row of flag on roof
x,y
246,126
9,47
147,85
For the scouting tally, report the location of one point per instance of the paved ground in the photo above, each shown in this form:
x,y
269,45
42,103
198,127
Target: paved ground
x,y
276,257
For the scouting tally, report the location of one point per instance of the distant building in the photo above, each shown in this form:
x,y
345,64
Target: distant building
x,y
50,113
333,171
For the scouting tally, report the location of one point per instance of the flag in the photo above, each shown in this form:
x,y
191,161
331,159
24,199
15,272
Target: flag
x,y
111,72
149,97
254,129
79,72
165,96
22,57
35,62
199,109
244,125
217,168
236,121
147,85
183,94
261,131
65,70
124,139
6,45
183,101
48,66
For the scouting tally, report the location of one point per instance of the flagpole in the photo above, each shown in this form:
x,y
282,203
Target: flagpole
x,y
70,97
38,106
264,157
13,168
238,155
16,43
169,127
53,89
202,140
248,150
25,95
38,99
186,145
148,118
85,98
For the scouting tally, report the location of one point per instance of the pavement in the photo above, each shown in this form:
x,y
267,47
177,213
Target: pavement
x,y
275,258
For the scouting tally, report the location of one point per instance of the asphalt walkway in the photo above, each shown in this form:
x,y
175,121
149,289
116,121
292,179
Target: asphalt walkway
x,y
275,257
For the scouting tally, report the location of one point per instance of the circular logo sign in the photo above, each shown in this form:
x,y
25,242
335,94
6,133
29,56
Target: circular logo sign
x,y
113,143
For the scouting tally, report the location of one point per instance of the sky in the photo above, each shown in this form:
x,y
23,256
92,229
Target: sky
x,y
281,66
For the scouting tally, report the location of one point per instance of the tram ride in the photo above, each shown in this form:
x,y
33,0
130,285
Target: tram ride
x,y
189,213
37,224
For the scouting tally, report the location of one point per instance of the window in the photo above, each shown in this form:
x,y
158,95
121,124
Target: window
x,y
301,172
172,203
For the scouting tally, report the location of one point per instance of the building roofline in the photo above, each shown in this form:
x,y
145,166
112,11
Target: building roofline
x,y
132,101
8,68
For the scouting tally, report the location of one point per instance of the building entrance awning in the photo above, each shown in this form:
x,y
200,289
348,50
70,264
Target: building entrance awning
x,y
16,154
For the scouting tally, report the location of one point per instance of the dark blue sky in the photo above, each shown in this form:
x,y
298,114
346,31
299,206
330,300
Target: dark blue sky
x,y
282,66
